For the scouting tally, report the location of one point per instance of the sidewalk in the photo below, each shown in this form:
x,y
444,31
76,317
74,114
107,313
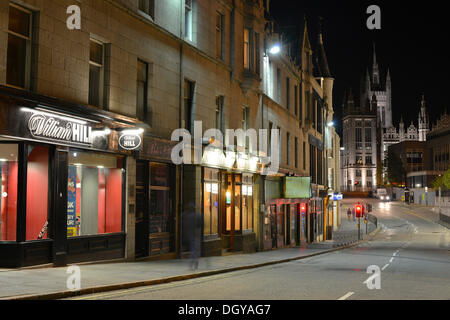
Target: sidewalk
x,y
50,283
430,213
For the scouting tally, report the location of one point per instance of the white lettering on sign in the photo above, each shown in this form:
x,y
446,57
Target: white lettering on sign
x,y
130,141
51,128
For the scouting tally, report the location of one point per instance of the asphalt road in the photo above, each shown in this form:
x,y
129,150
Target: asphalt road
x,y
411,253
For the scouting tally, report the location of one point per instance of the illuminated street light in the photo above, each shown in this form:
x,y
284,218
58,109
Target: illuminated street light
x,y
330,124
275,49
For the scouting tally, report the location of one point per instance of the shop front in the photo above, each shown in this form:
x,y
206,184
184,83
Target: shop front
x,y
229,202
156,206
287,202
63,181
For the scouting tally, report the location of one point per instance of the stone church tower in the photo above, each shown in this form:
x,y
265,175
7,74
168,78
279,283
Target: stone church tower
x,y
375,84
424,126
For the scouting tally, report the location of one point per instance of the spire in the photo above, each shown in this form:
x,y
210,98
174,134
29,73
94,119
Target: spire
x,y
375,71
320,56
306,42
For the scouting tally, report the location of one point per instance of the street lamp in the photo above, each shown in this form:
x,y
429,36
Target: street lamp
x,y
275,49
330,124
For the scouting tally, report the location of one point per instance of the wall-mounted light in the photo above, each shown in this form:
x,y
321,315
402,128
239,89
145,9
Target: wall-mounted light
x,y
275,49
330,124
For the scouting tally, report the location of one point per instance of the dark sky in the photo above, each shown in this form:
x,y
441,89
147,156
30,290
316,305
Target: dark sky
x,y
410,42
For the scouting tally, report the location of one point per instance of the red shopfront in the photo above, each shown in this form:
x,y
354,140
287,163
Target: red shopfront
x,y
62,182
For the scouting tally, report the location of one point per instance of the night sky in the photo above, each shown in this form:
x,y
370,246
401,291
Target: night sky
x,y
411,43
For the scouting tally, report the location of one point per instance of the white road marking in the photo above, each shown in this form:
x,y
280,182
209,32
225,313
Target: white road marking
x,y
346,295
392,259
385,266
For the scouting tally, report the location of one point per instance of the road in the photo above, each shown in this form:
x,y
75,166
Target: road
x,y
411,252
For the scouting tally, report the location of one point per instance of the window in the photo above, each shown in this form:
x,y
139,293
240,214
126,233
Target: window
x,y
247,49
211,202
148,7
368,159
257,54
220,113
188,20
308,105
188,104
247,202
288,94
94,194
358,138
19,47
96,73
279,85
161,215
304,155
269,138
246,124
288,153
369,174
358,173
359,159
142,91
295,100
37,192
8,191
219,35
296,152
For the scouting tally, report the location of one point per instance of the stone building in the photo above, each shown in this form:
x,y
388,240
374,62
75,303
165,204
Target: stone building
x,y
117,89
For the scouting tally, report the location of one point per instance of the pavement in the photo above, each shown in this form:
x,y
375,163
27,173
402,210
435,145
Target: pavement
x,y
53,282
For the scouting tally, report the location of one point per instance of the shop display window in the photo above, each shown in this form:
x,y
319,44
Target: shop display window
x,y
8,191
211,202
37,192
94,194
247,202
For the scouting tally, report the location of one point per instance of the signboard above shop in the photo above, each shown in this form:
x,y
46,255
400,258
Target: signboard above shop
x,y
297,187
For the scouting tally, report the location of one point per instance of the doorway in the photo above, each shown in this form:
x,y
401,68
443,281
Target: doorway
x,y
231,210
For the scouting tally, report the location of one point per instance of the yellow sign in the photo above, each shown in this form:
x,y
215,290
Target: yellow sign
x,y
403,198
71,231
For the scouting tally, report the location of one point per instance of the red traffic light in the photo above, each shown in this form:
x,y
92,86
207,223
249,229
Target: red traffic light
x,y
303,207
359,210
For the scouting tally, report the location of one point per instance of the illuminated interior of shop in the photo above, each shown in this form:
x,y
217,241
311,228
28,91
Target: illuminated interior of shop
x,y
8,191
94,194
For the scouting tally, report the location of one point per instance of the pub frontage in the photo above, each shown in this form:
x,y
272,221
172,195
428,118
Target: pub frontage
x,y
64,183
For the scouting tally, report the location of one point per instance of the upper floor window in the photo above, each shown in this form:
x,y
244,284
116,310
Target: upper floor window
x,y
148,7
142,91
288,93
96,73
247,49
188,104
19,47
219,35
220,113
188,20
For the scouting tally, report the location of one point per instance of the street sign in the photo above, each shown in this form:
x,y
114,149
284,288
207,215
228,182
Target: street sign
x,y
403,198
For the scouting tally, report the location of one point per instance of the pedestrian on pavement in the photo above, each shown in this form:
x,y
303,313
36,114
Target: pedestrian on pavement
x,y
349,213
192,231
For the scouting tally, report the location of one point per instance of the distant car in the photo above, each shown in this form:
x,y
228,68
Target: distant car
x,y
383,195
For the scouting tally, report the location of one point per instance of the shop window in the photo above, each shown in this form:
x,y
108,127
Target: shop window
x,y
237,203
37,193
94,194
247,202
211,202
8,191
161,217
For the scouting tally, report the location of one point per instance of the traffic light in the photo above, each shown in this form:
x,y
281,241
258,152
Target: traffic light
x,y
303,207
359,210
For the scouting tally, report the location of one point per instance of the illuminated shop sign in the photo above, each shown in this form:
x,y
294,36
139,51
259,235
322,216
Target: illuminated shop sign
x,y
58,128
130,139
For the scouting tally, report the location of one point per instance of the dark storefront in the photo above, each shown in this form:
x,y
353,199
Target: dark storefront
x,y
156,218
63,180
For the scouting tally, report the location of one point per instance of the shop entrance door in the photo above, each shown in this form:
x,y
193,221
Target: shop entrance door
x,y
231,210
141,231
273,225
